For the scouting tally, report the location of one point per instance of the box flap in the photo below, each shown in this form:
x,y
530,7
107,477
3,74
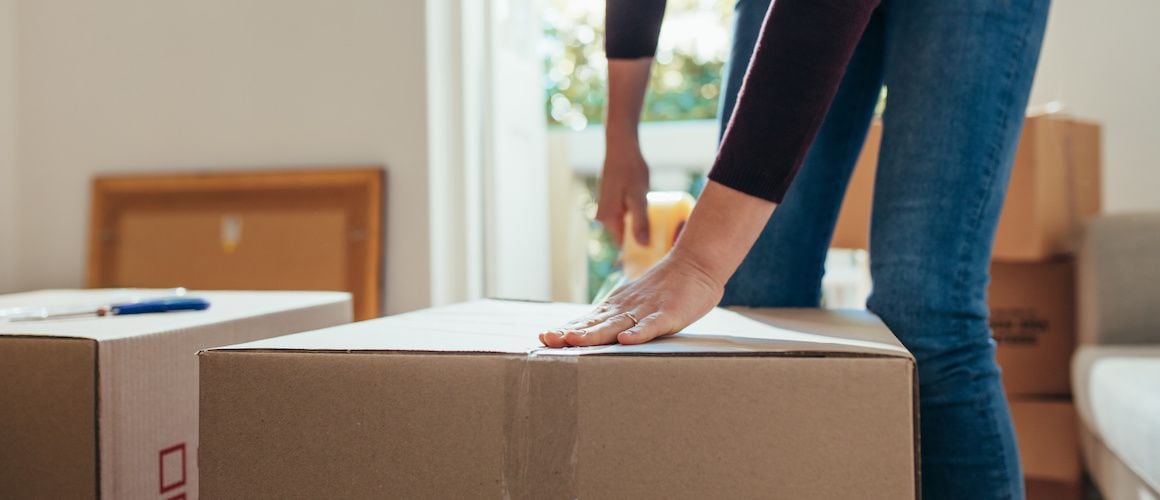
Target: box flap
x,y
224,306
498,326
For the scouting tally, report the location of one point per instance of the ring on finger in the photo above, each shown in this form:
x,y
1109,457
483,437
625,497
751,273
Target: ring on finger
x,y
632,318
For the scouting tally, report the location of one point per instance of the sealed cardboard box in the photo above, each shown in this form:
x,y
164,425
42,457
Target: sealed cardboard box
x,y
1033,322
107,407
1055,185
461,401
1049,447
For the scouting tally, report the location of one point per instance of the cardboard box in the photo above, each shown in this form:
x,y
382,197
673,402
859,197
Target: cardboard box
x,y
461,401
1053,490
107,407
853,227
1055,185
1048,440
1033,322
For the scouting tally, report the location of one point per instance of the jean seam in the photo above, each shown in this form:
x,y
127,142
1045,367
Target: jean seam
x,y
992,163
1002,474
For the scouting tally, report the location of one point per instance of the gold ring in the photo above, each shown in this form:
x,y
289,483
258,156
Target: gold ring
x,y
633,318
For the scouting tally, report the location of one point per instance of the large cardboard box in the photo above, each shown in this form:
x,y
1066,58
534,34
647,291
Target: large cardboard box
x,y
1055,185
1048,439
107,407
461,402
1033,322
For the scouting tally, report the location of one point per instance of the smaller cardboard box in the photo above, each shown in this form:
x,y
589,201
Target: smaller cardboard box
x,y
107,407
461,401
1054,187
1048,439
1033,322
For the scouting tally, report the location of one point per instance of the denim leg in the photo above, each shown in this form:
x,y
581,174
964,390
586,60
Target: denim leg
x,y
785,266
958,76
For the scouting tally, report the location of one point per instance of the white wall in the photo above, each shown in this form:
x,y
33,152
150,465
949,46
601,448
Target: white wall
x,y
138,85
7,145
1099,59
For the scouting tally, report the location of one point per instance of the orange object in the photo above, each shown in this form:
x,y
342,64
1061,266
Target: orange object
x,y
667,213
300,229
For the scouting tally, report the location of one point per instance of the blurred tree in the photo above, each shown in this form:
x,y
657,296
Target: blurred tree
x,y
686,79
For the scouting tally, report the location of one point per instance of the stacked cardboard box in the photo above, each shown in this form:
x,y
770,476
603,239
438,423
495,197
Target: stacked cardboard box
x,y
1055,185
107,407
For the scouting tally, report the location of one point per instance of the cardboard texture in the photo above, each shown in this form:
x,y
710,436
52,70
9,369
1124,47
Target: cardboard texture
x,y
1033,322
1055,185
1048,439
107,407
461,401
1054,490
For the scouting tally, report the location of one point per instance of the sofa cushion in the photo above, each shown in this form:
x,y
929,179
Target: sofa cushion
x,y
1117,393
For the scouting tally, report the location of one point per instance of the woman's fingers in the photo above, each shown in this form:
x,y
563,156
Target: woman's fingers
x,y
610,214
602,333
553,338
650,327
580,327
638,209
601,313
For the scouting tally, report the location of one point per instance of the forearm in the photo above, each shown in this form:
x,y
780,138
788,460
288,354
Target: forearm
x,y
721,230
627,83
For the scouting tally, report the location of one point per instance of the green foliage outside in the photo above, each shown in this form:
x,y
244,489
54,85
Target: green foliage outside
x,y
686,78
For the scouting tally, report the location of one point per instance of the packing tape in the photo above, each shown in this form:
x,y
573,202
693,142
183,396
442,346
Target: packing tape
x,y
541,431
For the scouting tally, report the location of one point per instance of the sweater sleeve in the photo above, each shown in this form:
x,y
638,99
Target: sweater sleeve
x,y
793,76
632,27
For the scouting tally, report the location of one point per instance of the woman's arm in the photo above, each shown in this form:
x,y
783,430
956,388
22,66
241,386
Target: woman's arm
x,y
797,66
630,38
624,179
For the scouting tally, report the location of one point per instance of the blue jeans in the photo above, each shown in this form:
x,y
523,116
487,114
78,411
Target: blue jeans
x,y
958,74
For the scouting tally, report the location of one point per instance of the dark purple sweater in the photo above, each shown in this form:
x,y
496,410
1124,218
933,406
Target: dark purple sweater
x,y
796,68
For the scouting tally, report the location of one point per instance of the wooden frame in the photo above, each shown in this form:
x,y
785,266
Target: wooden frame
x,y
353,199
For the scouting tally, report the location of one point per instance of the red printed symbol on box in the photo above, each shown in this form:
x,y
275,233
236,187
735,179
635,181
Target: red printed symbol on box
x,y
171,467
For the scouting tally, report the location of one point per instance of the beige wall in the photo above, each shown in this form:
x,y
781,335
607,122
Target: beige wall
x,y
7,155
138,85
1099,59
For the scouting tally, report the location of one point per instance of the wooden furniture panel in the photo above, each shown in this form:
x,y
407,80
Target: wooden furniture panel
x,y
319,229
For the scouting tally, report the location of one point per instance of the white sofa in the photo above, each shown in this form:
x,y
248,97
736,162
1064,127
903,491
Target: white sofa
x,y
1116,371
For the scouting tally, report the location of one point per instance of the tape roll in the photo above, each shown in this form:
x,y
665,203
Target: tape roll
x,y
668,211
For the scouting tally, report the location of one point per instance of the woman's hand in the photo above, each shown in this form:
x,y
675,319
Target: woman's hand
x,y
623,190
685,285
664,301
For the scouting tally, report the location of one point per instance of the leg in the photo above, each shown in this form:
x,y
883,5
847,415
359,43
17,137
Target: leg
x,y
958,76
785,266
